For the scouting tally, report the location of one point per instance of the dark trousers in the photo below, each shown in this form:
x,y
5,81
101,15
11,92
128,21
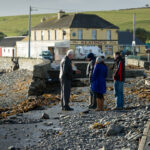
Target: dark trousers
x,y
65,92
92,99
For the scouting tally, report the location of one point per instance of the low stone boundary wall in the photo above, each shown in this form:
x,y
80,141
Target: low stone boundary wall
x,y
54,74
29,63
9,63
139,63
83,66
40,68
6,63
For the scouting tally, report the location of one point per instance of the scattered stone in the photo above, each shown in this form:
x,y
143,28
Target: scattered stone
x,y
56,118
62,116
48,123
13,117
148,107
85,111
114,130
11,148
140,82
40,108
45,116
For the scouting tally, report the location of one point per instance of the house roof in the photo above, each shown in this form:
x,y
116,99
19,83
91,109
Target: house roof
x,y
10,41
76,21
126,38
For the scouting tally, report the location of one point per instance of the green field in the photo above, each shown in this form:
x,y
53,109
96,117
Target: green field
x,y
17,25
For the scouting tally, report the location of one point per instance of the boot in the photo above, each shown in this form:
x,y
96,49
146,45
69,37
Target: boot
x,y
100,104
93,102
90,101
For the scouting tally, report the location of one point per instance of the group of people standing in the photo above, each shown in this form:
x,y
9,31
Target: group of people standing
x,y
97,73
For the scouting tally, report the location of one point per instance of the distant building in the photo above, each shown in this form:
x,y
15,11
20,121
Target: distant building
x,y
125,39
8,46
71,31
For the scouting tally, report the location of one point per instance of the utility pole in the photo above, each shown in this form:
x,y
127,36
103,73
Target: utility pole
x,y
133,42
29,45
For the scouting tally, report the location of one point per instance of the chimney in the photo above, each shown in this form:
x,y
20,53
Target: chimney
x,y
60,14
43,19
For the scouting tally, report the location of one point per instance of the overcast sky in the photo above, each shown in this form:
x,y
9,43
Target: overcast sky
x,y
19,7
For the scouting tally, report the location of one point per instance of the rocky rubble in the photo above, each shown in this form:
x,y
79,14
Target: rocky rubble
x,y
124,131
14,87
111,130
80,129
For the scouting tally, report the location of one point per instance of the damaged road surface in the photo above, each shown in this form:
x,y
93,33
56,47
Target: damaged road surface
x,y
47,127
27,129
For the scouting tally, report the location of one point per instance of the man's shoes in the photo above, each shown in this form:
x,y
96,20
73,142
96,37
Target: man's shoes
x,y
67,108
92,107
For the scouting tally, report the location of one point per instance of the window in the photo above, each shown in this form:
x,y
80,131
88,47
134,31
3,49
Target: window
x,y
63,34
42,35
94,35
56,35
49,35
8,50
35,35
108,34
109,50
80,34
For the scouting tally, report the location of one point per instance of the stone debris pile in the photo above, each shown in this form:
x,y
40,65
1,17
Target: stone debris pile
x,y
142,90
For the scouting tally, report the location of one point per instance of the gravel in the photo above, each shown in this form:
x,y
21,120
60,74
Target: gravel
x,y
75,132
120,129
14,87
115,130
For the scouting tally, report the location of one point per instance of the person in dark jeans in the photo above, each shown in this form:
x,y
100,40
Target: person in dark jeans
x,y
65,76
119,78
89,71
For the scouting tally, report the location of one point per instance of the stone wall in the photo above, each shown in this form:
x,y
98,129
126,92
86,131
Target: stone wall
x,y
83,65
40,78
6,63
40,68
139,63
25,63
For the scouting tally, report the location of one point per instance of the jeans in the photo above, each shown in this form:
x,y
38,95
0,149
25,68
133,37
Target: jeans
x,y
118,91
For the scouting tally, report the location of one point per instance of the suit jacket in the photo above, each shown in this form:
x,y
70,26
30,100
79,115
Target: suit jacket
x,y
66,71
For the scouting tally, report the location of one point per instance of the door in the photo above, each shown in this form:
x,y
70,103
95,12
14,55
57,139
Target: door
x,y
51,49
13,52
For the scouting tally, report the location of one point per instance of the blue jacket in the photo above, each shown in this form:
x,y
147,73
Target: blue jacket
x,y
99,75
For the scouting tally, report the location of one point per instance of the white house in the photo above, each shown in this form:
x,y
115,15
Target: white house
x,y
37,47
7,46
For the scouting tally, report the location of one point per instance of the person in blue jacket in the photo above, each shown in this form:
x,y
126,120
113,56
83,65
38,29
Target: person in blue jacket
x,y
98,84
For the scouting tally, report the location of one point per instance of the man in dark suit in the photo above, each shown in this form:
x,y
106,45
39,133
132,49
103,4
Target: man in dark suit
x,y
65,76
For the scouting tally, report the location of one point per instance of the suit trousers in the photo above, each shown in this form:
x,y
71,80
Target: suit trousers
x,y
65,92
